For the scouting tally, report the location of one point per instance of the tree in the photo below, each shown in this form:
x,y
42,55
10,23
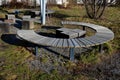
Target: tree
x,y
35,3
95,8
118,2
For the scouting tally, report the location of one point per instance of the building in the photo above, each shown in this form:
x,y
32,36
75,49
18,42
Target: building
x,y
0,2
37,2
60,2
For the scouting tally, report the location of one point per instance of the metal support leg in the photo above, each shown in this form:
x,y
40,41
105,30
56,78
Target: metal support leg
x,y
41,7
72,54
101,48
84,28
36,50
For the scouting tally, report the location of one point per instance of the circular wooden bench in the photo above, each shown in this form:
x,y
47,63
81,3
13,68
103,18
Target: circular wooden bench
x,y
101,36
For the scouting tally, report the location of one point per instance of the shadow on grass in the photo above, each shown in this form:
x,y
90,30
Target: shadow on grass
x,y
62,16
47,34
19,24
2,19
14,40
2,78
51,27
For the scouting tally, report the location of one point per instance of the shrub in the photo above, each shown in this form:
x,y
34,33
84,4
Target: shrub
x,y
89,58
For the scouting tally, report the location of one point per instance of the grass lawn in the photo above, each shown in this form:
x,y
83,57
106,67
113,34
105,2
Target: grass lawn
x,y
91,66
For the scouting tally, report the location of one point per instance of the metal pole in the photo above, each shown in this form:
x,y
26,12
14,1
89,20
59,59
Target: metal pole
x,y
101,48
84,28
36,50
43,12
41,9
72,54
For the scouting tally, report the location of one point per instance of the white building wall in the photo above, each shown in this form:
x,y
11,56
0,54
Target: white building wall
x,y
79,2
0,2
60,2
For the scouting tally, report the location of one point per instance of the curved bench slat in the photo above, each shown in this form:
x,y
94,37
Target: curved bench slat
x,y
40,40
51,42
105,35
87,43
96,39
55,42
45,41
70,43
80,43
65,43
60,43
75,43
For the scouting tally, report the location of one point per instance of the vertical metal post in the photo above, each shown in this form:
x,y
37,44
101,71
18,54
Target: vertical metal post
x,y
84,28
72,54
36,50
41,7
43,11
101,48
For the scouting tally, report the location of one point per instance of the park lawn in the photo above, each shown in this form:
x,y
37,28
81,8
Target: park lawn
x,y
13,59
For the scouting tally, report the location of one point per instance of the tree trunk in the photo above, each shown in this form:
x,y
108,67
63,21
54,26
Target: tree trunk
x,y
95,8
118,2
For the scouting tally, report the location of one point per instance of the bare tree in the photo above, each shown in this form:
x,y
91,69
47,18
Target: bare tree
x,y
118,2
95,8
4,2
35,3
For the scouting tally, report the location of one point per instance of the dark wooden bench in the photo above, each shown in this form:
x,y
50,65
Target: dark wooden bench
x,y
69,33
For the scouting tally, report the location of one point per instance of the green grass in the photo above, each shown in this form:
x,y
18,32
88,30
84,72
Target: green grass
x,y
13,59
89,58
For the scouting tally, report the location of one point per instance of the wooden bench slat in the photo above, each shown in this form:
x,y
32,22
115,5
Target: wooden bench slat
x,y
51,42
55,42
75,43
104,35
80,32
80,43
45,41
100,40
70,34
65,43
70,43
35,38
60,43
87,43
105,39
93,40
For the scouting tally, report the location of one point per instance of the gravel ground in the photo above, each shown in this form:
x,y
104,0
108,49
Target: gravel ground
x,y
50,58
108,69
